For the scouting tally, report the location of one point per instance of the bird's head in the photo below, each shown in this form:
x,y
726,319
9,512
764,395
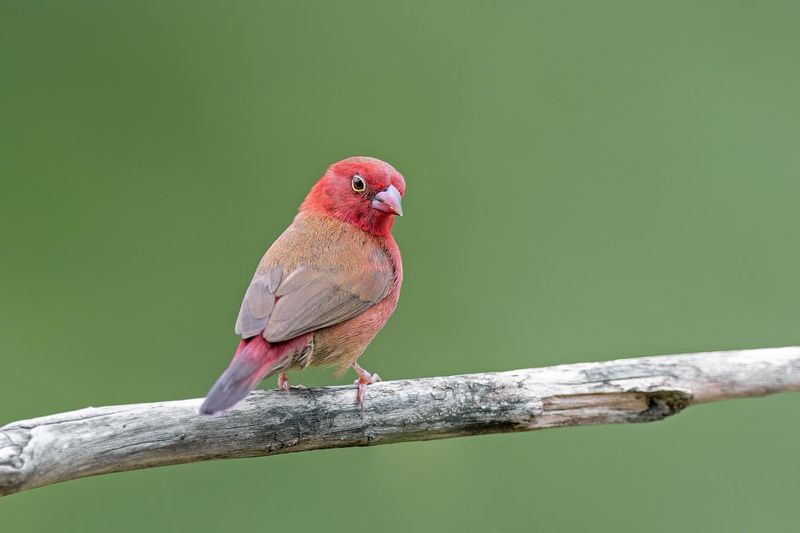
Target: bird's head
x,y
364,191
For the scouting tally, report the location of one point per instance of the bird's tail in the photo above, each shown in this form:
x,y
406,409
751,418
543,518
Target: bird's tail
x,y
253,361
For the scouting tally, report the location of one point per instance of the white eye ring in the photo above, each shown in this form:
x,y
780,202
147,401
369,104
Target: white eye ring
x,y
358,183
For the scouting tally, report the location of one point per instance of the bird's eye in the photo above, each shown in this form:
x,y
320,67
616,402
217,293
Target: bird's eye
x,y
358,183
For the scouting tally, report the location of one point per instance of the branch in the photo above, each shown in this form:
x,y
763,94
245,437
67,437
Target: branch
x,y
101,440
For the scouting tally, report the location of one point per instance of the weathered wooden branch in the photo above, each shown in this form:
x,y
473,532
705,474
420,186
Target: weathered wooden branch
x,y
100,440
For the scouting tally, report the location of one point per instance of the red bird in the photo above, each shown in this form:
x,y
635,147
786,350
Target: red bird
x,y
325,288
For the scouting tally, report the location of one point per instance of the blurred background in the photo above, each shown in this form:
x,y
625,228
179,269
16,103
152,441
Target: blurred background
x,y
586,180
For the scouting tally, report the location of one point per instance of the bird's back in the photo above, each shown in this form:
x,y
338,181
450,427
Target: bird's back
x,y
326,243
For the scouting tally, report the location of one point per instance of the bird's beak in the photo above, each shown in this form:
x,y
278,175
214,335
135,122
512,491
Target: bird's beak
x,y
388,201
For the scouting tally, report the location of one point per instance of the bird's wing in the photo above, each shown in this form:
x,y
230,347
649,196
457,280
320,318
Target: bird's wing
x,y
283,305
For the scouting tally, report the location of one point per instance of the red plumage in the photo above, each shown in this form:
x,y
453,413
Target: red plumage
x,y
327,285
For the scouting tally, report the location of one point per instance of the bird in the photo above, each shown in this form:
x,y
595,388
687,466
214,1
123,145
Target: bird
x,y
326,286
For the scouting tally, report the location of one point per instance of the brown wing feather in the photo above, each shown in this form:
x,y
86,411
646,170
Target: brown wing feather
x,y
258,303
327,299
292,296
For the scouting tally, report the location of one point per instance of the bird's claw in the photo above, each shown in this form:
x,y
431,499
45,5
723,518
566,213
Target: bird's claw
x,y
364,379
285,385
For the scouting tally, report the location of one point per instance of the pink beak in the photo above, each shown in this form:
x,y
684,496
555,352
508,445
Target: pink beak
x,y
388,201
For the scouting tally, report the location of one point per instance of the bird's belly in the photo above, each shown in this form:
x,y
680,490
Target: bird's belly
x,y
339,345
342,344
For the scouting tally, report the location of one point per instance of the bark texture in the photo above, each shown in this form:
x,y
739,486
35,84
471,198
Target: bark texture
x,y
93,441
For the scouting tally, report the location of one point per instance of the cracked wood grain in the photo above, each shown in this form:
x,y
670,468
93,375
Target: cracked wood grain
x,y
101,440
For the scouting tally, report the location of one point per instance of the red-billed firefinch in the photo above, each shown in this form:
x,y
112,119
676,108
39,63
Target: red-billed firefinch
x,y
325,288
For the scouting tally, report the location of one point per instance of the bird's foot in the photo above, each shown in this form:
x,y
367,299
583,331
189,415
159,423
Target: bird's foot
x,y
364,379
284,384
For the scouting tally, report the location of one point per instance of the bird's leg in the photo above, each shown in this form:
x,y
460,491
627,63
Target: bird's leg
x,y
285,385
364,379
283,382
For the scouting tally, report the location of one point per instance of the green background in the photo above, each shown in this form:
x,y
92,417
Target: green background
x,y
586,181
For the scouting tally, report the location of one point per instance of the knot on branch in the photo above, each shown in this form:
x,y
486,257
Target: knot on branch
x,y
12,443
12,447
661,404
